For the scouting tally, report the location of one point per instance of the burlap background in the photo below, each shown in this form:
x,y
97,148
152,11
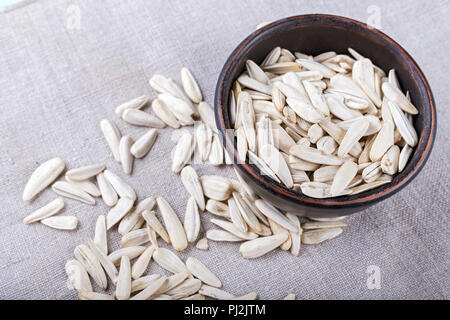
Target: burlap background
x,y
57,82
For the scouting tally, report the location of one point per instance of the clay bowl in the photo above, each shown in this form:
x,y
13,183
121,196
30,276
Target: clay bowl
x,y
315,34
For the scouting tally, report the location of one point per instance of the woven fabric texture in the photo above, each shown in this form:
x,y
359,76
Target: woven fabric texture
x,y
65,65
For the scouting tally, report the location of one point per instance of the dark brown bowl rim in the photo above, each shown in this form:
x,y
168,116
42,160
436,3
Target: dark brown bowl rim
x,y
363,199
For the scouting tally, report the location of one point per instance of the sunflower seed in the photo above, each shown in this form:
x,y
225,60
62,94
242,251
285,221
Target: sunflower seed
x,y
368,186
112,136
283,67
277,229
141,118
279,100
383,141
202,244
338,134
85,185
389,163
90,262
135,238
304,110
320,235
190,86
169,260
316,66
272,57
216,187
272,157
122,188
259,247
150,290
154,223
298,164
65,189
396,96
77,276
183,152
193,186
247,116
319,190
253,84
133,218
126,158
315,132
192,220
242,146
200,271
247,212
248,296
164,113
144,282
296,237
323,225
179,108
42,177
343,177
374,124
216,153
86,172
173,225
272,213
356,131
204,140
262,166
130,252
316,98
301,176
123,289
325,173
403,125
107,264
117,212
173,281
61,222
290,296
143,145
84,295
215,293
220,235
233,229
281,139
405,154
314,155
218,208
207,115
325,144
339,109
46,211
372,172
351,91
141,263
185,289
134,104
255,72
109,195
236,216
364,75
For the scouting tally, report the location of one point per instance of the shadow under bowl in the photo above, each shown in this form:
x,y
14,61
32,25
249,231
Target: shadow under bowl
x,y
315,34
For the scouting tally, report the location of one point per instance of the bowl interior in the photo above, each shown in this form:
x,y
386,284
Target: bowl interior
x,y
315,34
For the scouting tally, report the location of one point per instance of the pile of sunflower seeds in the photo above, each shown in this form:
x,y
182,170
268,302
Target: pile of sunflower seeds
x,y
326,126
237,212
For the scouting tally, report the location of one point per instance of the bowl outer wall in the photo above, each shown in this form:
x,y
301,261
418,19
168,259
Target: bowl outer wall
x,y
320,33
